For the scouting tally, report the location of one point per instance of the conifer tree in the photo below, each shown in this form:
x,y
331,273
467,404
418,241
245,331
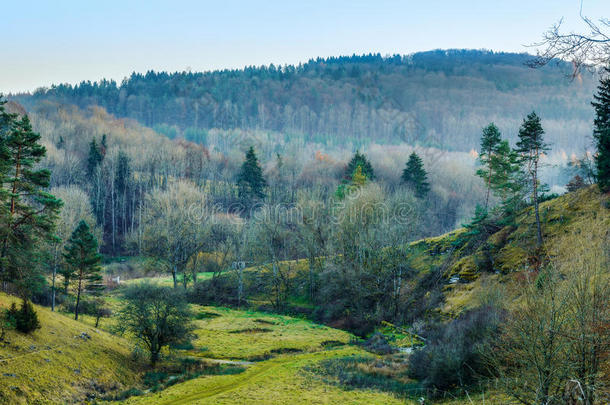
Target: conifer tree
x,y
250,180
83,260
414,175
601,132
490,141
359,160
28,212
94,159
530,148
506,179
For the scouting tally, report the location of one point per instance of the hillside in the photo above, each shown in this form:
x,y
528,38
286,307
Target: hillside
x,y
65,361
437,98
573,223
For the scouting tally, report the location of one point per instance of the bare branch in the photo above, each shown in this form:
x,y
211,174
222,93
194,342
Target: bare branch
x,y
588,50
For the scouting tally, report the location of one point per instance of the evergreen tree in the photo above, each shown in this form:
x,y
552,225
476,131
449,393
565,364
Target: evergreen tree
x,y
94,159
6,124
359,160
490,140
28,212
414,175
250,180
601,132
507,180
530,147
103,146
83,259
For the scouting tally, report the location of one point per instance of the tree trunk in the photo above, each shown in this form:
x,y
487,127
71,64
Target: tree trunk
x,y
240,285
53,281
488,190
80,286
311,278
174,270
154,357
538,225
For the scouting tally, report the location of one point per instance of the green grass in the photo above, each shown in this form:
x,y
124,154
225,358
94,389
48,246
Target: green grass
x,y
54,365
168,281
277,381
253,335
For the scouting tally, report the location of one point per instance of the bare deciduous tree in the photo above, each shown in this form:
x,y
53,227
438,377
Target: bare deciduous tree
x,y
584,49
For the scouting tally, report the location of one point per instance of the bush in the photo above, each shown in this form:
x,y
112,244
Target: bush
x,y
378,344
219,291
453,355
24,319
357,372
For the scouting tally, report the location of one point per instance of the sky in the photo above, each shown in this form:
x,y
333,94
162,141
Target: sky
x,y
67,41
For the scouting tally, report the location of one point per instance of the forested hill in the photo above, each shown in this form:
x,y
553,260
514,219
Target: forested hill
x,y
437,98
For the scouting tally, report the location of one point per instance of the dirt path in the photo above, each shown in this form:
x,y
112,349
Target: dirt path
x,y
222,361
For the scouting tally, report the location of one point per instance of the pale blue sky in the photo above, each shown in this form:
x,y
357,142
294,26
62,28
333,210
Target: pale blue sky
x,y
53,41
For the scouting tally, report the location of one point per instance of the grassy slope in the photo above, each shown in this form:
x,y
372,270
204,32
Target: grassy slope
x,y
570,217
53,365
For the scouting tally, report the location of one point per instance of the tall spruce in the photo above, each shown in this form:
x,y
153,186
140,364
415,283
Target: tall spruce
x,y
250,181
414,175
601,131
359,160
94,159
28,212
83,260
530,148
490,140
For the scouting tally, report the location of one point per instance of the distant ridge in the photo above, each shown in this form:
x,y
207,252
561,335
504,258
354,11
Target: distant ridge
x,y
436,98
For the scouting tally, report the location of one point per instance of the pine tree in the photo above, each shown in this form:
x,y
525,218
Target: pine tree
x,y
530,147
28,212
103,146
414,175
601,132
83,259
359,160
94,159
6,123
490,141
250,180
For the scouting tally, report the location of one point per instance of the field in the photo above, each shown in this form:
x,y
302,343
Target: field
x,y
224,333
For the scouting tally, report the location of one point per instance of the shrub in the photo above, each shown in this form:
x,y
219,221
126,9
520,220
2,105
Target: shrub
x,y
453,355
24,319
219,291
357,372
378,344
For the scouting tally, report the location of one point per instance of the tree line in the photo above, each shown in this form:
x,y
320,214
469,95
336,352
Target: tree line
x,y
445,97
